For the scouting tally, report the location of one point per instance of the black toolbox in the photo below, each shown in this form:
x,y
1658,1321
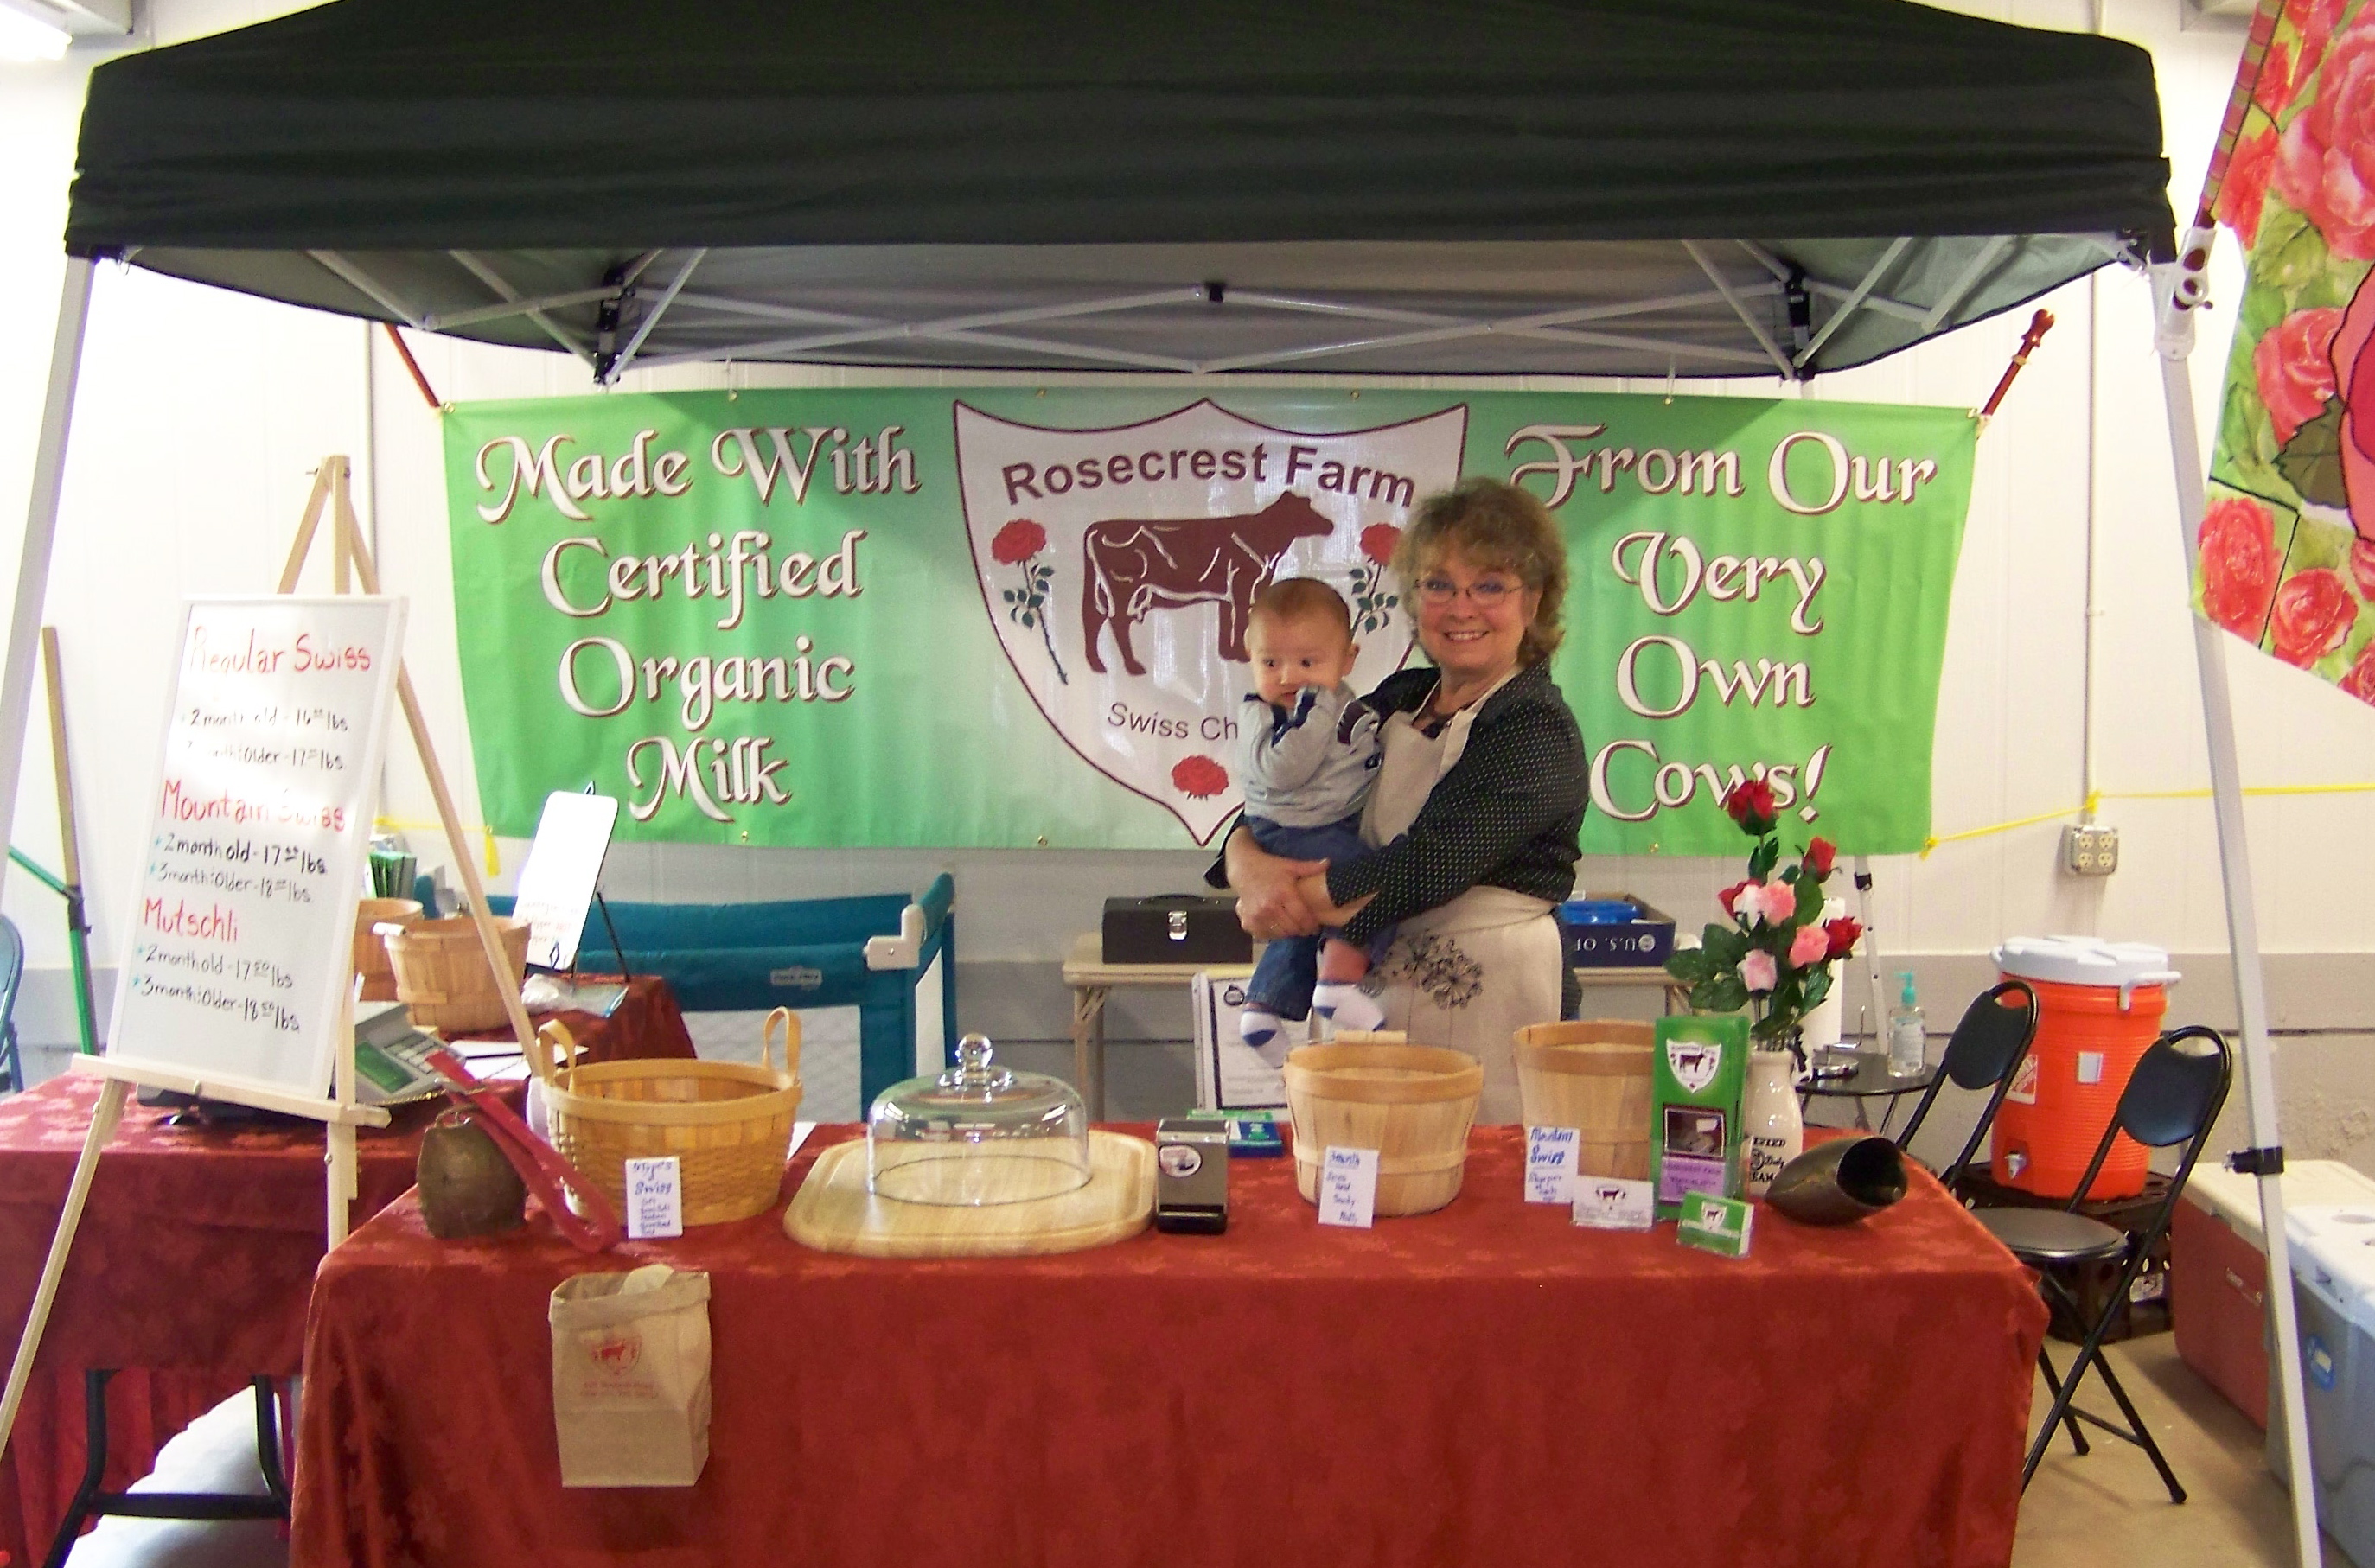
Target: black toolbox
x,y
1176,928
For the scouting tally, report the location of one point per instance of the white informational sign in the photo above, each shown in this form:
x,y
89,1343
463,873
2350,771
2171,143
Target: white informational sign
x,y
1613,1203
654,1197
1550,1164
243,919
1230,1074
1348,1187
565,862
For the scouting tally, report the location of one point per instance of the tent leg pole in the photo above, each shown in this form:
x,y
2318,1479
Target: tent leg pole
x,y
2243,940
40,532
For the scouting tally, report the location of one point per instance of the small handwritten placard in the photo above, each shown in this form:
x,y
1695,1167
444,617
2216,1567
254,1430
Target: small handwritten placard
x,y
1348,1187
1550,1164
654,1197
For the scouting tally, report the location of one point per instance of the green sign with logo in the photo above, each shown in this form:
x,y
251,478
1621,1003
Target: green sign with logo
x,y
995,617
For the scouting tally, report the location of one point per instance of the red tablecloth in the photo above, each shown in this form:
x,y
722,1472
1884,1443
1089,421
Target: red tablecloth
x,y
193,1264
1485,1385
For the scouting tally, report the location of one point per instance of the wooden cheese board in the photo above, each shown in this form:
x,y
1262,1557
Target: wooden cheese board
x,y
833,1213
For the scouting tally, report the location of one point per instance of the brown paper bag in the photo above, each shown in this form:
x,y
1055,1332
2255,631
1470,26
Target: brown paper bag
x,y
631,1378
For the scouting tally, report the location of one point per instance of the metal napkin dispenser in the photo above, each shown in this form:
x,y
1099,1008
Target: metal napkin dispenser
x,y
1191,1181
1176,928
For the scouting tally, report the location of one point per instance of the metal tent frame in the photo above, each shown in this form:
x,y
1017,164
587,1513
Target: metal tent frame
x,y
1601,304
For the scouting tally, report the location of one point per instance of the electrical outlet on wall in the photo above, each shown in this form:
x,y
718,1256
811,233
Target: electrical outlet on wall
x,y
2089,850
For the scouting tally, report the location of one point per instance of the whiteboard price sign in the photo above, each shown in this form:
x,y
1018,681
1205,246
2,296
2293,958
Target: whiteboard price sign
x,y
564,864
243,923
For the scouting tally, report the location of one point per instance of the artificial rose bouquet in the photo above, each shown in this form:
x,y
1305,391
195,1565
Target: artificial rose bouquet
x,y
1773,958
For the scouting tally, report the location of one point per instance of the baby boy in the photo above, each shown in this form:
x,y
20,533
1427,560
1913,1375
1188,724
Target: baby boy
x,y
1309,755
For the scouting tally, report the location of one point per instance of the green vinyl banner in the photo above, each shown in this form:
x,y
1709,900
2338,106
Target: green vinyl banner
x,y
1001,616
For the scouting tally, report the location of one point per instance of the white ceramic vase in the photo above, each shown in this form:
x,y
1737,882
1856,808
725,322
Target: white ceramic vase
x,y
1772,1132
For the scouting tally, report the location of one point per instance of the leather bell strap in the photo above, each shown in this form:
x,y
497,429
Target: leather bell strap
x,y
597,1229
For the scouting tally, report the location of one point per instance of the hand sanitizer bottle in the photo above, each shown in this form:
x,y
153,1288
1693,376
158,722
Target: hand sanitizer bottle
x,y
1906,1044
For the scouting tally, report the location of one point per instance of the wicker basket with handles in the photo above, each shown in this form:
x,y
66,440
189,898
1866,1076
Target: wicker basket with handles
x,y
728,1124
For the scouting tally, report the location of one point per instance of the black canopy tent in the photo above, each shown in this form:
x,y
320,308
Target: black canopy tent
x,y
1707,187
1688,188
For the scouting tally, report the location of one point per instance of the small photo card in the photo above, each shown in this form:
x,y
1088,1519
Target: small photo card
x,y
1613,1203
1550,1164
655,1199
1718,1225
1348,1187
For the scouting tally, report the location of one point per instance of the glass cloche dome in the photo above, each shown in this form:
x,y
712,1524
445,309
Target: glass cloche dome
x,y
976,1135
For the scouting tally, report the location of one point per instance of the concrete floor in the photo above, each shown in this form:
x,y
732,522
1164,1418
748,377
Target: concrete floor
x,y
2109,1510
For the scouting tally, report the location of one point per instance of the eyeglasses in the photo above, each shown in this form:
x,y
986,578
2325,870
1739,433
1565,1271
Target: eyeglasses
x,y
1485,594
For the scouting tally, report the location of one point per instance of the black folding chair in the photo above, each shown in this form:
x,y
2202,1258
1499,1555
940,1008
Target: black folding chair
x,y
2173,1097
1986,1051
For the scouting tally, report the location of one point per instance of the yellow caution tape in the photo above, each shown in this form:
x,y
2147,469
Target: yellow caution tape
x,y
2092,802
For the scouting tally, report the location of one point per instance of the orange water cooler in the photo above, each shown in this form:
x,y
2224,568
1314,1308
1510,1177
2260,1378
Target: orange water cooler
x,y
2099,1008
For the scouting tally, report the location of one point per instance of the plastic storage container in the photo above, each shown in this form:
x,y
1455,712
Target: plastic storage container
x,y
2218,1270
2099,1008
2333,1299
976,1135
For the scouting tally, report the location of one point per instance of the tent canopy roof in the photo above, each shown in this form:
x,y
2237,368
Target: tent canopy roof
x,y
1603,186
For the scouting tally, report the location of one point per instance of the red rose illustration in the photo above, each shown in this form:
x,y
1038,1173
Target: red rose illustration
x,y
1820,854
1377,542
1018,542
2245,191
2361,680
2239,565
2354,374
2315,612
2362,567
1199,778
1843,934
2325,163
2294,365
2317,19
2273,88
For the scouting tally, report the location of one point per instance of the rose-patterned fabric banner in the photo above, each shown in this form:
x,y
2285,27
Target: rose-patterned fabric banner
x,y
2287,542
991,615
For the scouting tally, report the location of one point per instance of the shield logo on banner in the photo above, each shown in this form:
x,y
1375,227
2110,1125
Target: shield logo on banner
x,y
1693,1064
1118,566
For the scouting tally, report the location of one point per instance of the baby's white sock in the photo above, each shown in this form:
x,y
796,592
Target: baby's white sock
x,y
1347,1006
1256,1026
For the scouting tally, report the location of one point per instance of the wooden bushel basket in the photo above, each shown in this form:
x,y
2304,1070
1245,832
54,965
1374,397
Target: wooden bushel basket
x,y
442,976
1593,1076
1414,1104
370,948
728,1124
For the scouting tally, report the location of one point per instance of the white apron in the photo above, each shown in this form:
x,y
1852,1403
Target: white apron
x,y
1471,973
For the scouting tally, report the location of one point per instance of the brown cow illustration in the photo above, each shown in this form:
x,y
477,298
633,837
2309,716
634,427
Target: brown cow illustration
x,y
1132,565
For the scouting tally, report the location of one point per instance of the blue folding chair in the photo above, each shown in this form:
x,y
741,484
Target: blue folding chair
x,y
12,977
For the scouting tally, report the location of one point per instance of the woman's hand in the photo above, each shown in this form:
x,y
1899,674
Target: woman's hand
x,y
1316,898
1269,893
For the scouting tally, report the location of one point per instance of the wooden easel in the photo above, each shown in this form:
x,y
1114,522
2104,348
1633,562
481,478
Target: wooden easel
x,y
340,1114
